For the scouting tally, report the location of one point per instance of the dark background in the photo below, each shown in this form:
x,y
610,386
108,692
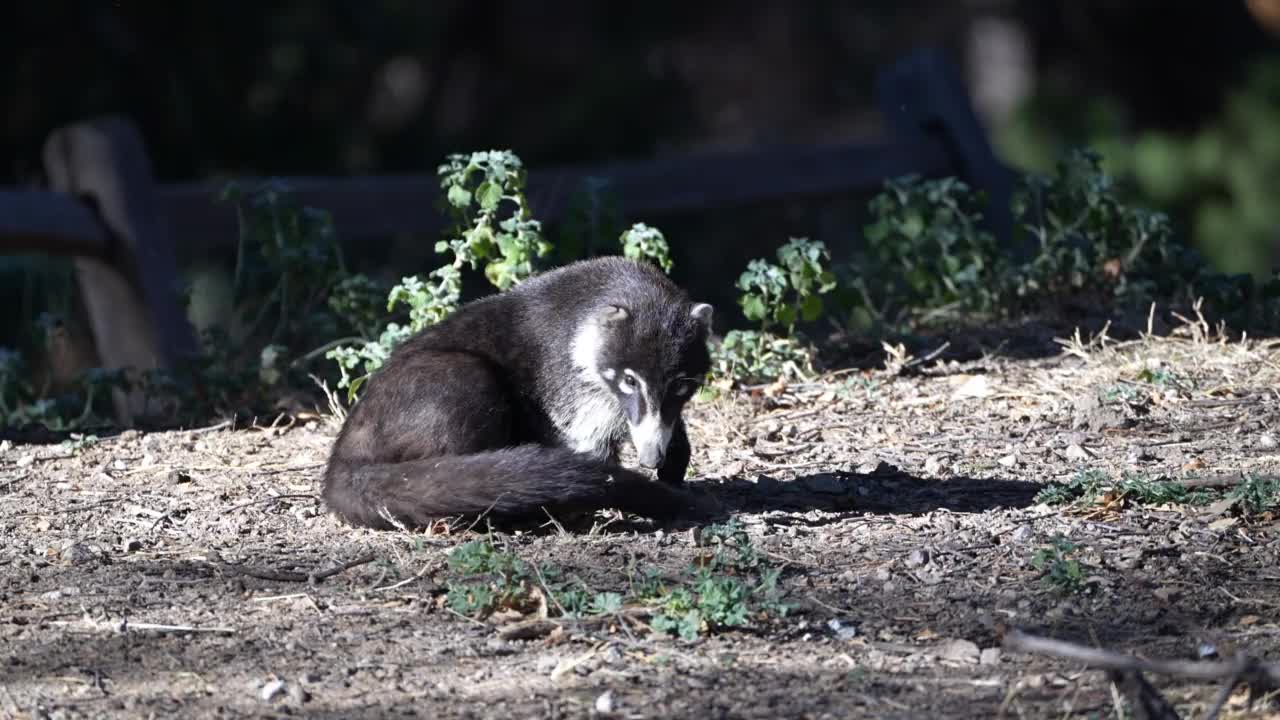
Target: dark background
x,y
1183,98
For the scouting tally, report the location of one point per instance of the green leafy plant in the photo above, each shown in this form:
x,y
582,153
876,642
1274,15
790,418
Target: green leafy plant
x,y
927,257
1061,569
930,251
1085,485
287,259
493,229
1257,495
641,242
731,586
777,296
493,579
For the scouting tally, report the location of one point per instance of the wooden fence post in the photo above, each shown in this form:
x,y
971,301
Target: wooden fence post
x,y
131,295
924,94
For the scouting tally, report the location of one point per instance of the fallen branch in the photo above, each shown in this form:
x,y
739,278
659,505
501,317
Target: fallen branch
x,y
309,578
121,626
532,629
1258,675
1016,640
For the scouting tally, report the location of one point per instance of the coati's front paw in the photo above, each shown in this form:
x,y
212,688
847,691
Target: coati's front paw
x,y
673,473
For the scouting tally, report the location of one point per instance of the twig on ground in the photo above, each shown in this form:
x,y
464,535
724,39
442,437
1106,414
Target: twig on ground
x,y
75,509
273,498
213,428
531,629
125,625
1260,676
310,578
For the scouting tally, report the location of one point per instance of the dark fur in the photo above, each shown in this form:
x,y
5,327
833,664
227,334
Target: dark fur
x,y
459,419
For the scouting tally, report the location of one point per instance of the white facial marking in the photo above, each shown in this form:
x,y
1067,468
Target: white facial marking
x,y
629,382
590,429
585,348
590,421
650,436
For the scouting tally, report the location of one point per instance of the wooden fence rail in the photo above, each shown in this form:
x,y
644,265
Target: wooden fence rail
x,y
104,209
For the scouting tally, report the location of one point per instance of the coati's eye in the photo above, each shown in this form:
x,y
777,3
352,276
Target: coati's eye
x,y
628,383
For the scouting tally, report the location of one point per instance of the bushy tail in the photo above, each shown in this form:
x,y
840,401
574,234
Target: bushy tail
x,y
512,481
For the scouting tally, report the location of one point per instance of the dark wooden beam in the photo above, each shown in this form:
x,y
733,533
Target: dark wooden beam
x,y
378,206
48,223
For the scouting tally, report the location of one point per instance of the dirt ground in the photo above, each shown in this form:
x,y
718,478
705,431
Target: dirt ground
x,y
901,502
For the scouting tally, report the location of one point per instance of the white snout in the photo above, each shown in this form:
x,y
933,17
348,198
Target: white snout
x,y
651,437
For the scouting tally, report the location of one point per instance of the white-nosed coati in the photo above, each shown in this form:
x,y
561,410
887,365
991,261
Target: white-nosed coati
x,y
518,402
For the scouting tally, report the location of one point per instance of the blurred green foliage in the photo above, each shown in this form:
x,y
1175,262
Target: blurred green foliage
x,y
1218,180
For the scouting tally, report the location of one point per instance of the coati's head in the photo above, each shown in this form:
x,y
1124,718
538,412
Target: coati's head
x,y
652,355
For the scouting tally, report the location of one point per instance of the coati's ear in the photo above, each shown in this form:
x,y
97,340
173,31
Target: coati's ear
x,y
702,312
614,314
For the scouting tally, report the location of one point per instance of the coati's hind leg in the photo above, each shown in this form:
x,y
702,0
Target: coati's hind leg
x,y
432,404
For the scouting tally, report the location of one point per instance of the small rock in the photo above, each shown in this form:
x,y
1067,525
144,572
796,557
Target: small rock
x,y
178,476
60,593
1022,534
1010,460
1135,454
989,656
917,558
883,574
1267,441
960,650
604,703
547,664
132,545
1077,452
79,553
843,631
298,695
309,678
498,646
119,465
271,689
611,655
5,446
25,460
933,465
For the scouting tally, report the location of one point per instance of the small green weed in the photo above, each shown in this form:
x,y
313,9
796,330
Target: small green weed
x,y
1084,487
1088,486
495,579
730,587
1257,495
1061,570
1144,490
